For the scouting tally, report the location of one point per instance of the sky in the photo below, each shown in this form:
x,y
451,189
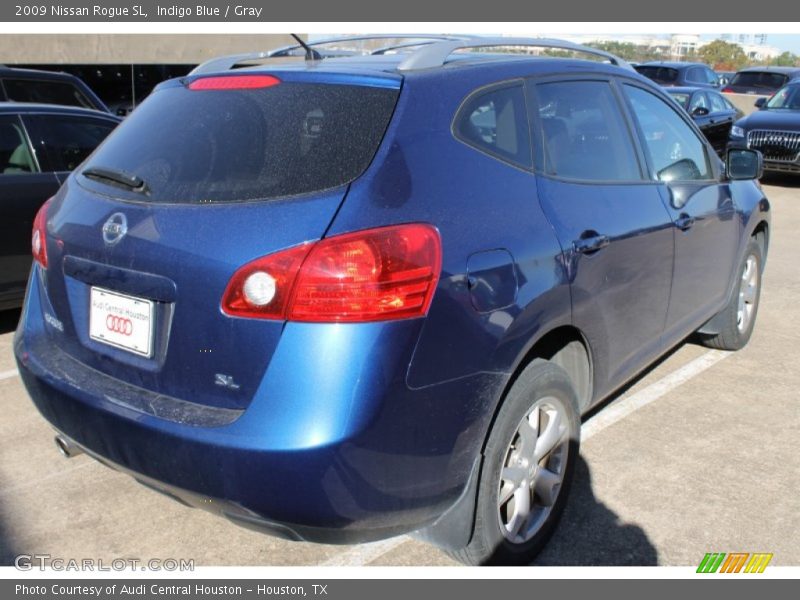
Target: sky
x,y
779,40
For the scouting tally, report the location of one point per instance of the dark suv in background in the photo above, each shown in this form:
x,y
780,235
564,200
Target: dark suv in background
x,y
344,298
46,87
679,74
39,146
773,130
761,80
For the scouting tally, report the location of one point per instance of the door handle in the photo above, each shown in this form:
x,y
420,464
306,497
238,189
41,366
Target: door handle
x,y
591,242
684,222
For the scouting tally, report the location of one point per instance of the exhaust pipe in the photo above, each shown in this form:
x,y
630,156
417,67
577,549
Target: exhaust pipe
x,y
67,447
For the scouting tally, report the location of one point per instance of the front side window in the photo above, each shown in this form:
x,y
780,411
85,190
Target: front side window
x,y
584,135
15,154
676,153
66,140
496,122
698,101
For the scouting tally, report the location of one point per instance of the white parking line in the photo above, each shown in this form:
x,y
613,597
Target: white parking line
x,y
362,554
8,374
619,410
365,553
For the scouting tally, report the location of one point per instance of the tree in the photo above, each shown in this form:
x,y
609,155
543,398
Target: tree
x,y
628,51
787,59
723,56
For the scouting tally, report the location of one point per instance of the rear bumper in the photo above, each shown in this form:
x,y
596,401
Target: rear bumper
x,y
363,459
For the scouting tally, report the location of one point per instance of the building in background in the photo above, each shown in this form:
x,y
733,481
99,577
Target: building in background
x,y
123,68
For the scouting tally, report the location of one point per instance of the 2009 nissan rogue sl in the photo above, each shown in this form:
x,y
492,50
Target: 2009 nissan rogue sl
x,y
347,297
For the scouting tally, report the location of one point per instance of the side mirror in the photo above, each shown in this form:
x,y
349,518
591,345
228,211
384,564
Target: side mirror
x,y
741,163
760,102
700,111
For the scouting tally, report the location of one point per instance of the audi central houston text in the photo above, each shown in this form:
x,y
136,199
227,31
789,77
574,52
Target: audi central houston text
x,y
359,294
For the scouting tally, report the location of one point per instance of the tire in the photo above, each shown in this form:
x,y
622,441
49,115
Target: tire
x,y
542,400
739,317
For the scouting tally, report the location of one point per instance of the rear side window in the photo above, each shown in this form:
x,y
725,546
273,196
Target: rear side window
x,y
695,74
584,134
45,92
66,140
495,121
676,153
759,79
15,155
710,76
193,146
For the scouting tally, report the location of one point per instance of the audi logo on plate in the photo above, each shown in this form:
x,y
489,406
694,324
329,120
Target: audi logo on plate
x,y
119,325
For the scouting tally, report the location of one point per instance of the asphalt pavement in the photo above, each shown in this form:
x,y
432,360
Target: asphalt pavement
x,y
698,455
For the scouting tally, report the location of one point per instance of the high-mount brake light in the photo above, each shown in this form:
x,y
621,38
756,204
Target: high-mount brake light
x,y
377,274
39,235
234,82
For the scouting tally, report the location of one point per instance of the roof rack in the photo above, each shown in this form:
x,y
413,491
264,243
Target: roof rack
x,y
225,63
433,50
436,55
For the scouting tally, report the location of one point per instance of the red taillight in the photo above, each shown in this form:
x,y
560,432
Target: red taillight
x,y
234,82
39,235
727,90
372,275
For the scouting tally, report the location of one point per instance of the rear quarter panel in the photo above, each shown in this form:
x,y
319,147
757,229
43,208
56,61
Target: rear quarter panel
x,y
478,203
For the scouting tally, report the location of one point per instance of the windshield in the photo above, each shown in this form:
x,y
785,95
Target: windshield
x,y
227,145
787,98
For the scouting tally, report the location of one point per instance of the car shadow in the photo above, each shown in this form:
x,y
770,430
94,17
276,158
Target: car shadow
x,y
781,179
7,552
591,534
9,320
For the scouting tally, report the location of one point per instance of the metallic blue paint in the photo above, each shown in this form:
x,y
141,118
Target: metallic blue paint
x,y
347,432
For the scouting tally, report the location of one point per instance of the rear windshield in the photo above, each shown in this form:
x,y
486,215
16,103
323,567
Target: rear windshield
x,y
191,146
661,74
759,79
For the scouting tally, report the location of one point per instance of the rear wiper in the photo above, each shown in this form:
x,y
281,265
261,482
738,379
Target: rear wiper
x,y
120,178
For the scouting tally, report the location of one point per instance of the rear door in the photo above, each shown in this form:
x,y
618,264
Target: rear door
x,y
609,219
706,228
23,189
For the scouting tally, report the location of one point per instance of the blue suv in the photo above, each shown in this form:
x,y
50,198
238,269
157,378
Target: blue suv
x,y
350,296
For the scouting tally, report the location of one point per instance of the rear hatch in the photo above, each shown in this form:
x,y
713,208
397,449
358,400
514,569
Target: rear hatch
x,y
206,175
661,75
756,82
